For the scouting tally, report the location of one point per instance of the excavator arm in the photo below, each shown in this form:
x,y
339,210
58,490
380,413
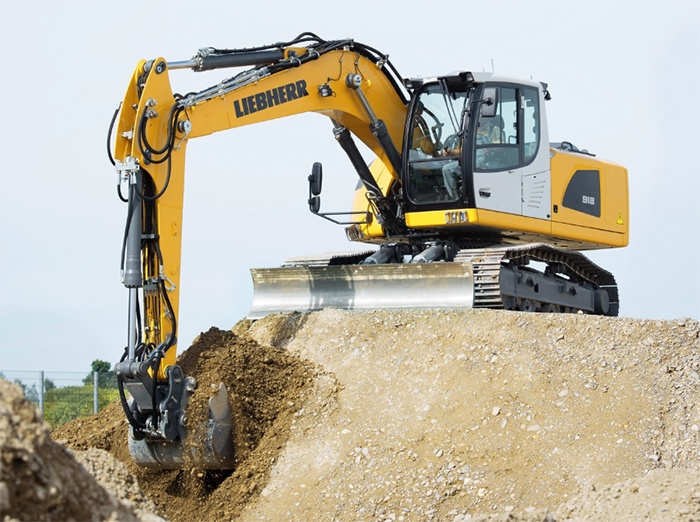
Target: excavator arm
x,y
351,84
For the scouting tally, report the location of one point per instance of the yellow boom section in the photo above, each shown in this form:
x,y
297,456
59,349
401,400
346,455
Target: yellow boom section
x,y
146,117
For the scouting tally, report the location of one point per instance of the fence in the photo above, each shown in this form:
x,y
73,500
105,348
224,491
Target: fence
x,y
64,396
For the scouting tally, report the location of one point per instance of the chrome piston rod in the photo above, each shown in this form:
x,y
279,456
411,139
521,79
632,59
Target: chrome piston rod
x,y
132,335
132,275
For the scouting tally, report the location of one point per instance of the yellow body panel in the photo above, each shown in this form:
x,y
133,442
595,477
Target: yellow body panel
x,y
567,228
613,222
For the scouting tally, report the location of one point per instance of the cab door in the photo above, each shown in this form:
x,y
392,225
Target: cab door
x,y
510,173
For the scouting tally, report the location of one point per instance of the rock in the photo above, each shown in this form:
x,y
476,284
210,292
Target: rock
x,y
39,478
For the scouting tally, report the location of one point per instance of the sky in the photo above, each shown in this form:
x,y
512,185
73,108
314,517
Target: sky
x,y
623,78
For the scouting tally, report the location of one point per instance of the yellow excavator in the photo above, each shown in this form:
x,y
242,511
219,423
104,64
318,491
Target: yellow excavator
x,y
466,204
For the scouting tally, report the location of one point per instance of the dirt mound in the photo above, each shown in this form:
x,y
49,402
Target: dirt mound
x,y
448,414
40,479
442,415
266,385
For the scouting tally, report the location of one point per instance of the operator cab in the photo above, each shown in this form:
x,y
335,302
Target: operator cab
x,y
476,141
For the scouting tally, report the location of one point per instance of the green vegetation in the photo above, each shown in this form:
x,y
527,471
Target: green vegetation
x,y
64,404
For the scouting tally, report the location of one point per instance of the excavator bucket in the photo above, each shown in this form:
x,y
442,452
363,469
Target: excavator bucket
x,y
361,287
207,446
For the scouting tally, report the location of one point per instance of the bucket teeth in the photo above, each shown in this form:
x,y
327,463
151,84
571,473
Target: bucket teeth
x,y
219,429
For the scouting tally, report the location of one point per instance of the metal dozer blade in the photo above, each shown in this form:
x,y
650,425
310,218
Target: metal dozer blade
x,y
361,287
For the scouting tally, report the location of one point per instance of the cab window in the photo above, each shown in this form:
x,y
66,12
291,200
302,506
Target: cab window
x,y
434,155
497,139
511,138
531,123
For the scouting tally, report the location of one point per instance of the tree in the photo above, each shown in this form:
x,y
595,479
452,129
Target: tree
x,y
30,392
105,378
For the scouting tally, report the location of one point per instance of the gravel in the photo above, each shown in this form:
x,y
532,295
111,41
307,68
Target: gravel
x,y
440,415
449,414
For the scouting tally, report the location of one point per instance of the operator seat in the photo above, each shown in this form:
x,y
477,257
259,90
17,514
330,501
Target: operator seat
x,y
497,121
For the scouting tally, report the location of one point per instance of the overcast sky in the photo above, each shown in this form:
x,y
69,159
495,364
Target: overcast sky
x,y
623,77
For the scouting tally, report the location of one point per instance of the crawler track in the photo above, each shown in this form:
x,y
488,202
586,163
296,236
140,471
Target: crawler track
x,y
493,265
495,277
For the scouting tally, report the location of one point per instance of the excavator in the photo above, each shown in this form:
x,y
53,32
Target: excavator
x,y
465,204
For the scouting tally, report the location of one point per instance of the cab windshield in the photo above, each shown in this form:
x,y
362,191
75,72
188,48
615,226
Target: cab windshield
x,y
434,157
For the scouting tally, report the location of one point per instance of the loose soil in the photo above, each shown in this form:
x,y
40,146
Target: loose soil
x,y
42,480
266,388
424,415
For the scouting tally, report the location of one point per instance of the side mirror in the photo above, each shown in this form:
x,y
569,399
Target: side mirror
x,y
315,182
316,179
489,102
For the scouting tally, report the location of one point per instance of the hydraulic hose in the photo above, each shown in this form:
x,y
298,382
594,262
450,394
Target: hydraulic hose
x,y
109,135
169,141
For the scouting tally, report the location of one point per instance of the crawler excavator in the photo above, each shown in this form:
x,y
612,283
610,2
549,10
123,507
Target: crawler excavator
x,y
464,195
